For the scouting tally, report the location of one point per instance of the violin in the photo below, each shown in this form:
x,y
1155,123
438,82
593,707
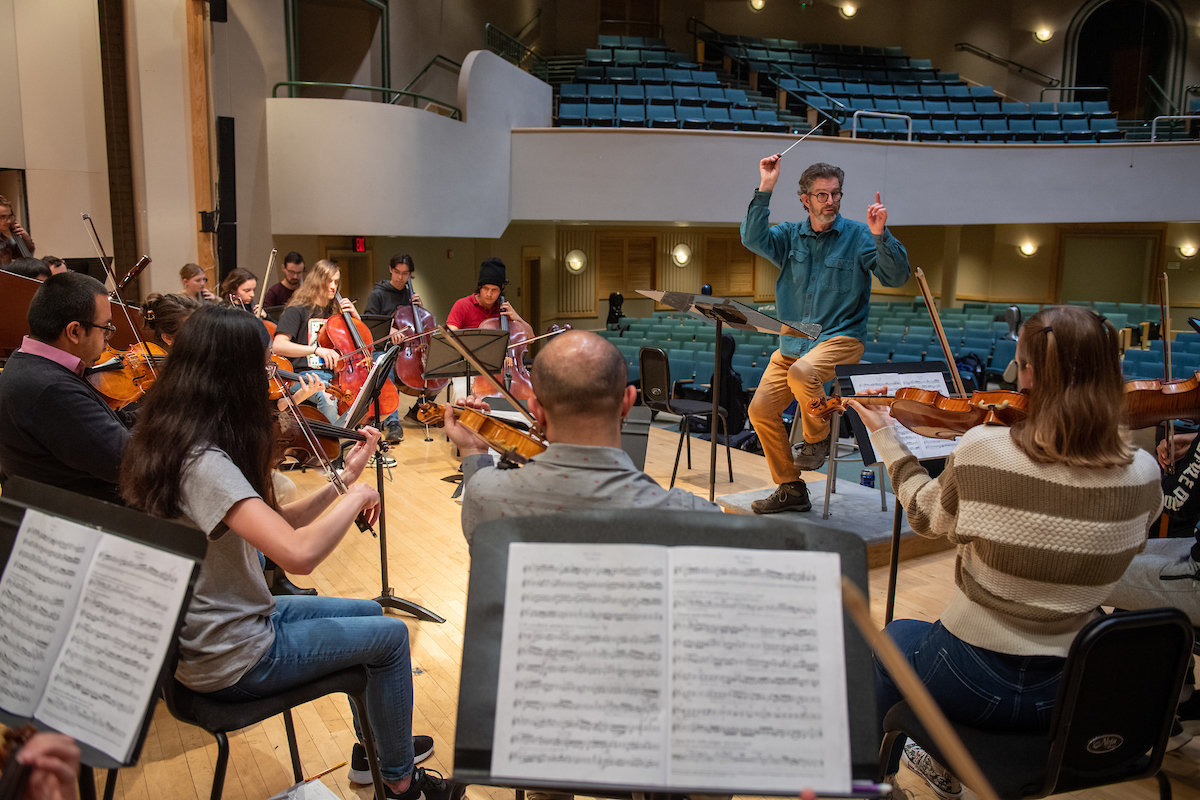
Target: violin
x,y
932,414
415,324
348,335
122,377
283,372
1150,402
515,446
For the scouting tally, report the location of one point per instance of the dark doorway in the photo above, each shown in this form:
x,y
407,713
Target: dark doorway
x,y
339,41
1122,45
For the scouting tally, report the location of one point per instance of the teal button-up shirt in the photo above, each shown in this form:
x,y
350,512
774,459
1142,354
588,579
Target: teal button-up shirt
x,y
824,277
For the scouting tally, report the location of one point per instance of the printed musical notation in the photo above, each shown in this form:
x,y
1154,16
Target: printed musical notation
x,y
640,665
91,616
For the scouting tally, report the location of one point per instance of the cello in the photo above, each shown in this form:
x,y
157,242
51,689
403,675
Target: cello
x,y
348,335
515,375
415,324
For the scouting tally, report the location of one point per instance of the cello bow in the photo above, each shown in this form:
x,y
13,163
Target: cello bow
x,y
262,290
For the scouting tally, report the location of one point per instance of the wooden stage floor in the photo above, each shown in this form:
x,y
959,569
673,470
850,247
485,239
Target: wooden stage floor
x,y
428,563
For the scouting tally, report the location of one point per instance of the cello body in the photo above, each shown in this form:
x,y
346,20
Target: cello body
x,y
348,335
412,320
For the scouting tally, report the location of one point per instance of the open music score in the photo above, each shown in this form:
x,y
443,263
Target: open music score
x,y
85,620
703,667
922,447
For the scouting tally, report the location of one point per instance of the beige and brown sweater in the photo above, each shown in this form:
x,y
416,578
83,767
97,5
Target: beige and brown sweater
x,y
1039,545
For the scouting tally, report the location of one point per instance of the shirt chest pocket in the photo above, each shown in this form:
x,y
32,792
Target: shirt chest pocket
x,y
840,273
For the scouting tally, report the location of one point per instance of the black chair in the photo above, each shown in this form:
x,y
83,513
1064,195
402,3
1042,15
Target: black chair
x,y
658,395
1111,720
218,718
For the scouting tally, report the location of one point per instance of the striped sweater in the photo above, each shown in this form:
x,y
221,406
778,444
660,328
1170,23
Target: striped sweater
x,y
1039,545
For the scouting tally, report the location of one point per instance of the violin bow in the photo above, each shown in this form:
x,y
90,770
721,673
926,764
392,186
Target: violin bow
x,y
262,291
941,334
1164,307
91,229
326,465
455,342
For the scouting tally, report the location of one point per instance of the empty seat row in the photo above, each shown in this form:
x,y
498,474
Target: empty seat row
x,y
636,94
989,130
669,116
675,76
613,41
603,57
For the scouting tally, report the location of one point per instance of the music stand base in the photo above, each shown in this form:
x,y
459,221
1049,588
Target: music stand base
x,y
389,600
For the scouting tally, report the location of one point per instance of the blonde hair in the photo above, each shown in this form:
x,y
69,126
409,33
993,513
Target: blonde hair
x,y
189,271
1077,400
312,292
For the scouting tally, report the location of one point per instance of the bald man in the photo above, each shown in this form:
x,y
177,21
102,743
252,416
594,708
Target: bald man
x,y
582,394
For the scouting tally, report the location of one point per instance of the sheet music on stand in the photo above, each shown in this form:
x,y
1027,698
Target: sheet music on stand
x,y
730,312
92,599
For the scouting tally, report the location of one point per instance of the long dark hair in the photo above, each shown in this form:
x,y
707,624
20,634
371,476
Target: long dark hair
x,y
1078,392
212,392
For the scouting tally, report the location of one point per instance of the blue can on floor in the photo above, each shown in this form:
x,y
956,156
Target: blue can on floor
x,y
867,478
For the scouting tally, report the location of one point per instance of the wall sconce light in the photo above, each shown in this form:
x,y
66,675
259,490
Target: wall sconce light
x,y
576,262
1028,249
1043,35
1187,250
681,255
757,5
848,11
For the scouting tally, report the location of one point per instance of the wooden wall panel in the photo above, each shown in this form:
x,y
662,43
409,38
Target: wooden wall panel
x,y
765,275
576,293
728,266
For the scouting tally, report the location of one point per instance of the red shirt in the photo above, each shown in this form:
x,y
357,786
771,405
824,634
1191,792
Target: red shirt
x,y
467,313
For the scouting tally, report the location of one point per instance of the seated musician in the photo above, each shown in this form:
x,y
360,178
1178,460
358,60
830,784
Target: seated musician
x,y
1045,514
292,273
471,311
195,282
582,394
238,289
54,427
238,642
385,298
825,268
55,264
28,267
10,231
296,336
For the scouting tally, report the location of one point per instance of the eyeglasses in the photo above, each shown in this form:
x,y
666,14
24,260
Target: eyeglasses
x,y
824,197
109,330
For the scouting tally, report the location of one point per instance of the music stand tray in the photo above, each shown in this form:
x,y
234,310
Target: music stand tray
x,y
444,361
381,370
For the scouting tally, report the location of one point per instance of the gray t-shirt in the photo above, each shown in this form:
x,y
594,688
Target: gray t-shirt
x,y
227,628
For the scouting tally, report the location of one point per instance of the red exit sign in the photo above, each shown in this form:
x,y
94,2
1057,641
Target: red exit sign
x,y
360,244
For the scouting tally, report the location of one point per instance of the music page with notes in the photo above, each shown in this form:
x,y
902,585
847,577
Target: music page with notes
x,y
686,667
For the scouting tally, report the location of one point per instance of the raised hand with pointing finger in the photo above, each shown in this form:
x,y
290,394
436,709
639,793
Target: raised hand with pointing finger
x,y
876,216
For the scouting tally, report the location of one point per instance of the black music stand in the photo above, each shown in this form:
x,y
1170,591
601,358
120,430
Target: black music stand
x,y
845,387
371,390
21,494
379,325
726,311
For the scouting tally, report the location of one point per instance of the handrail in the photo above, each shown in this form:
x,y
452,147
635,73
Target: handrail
x,y
658,25
889,115
1007,62
427,67
1154,122
513,51
1073,89
1166,98
690,26
525,28
457,113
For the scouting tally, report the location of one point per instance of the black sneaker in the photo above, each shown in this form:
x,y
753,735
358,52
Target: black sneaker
x,y
427,784
788,497
393,433
360,769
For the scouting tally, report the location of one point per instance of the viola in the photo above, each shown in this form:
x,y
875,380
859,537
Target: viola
x,y
14,776
249,309
515,446
348,335
415,324
293,443
1152,401
122,377
932,414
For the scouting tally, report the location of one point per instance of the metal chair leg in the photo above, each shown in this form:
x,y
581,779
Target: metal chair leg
x,y
687,431
728,456
678,452
293,747
222,764
110,785
360,706
882,493
1164,785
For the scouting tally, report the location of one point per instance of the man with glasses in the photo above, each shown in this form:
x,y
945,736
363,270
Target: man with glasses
x,y
825,266
291,274
54,427
10,231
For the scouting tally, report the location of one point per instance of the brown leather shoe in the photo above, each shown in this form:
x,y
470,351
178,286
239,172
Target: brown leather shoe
x,y
788,497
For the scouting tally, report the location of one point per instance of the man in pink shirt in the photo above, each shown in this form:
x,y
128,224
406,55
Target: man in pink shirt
x,y
54,427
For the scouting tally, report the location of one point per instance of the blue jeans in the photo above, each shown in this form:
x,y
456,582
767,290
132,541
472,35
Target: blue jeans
x,y
973,686
326,406
315,636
